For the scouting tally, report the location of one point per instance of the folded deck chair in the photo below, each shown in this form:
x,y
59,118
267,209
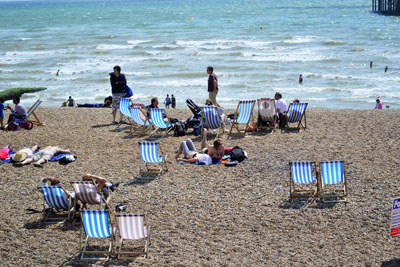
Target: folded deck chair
x,y
333,184
157,119
31,111
266,113
295,114
211,119
243,115
55,198
86,192
95,225
303,181
149,155
132,227
139,117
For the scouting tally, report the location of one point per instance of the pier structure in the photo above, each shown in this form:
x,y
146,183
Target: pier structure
x,y
386,7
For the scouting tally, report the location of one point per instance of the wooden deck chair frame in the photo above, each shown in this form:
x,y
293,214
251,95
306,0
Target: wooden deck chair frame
x,y
145,167
84,205
312,189
221,126
237,125
273,126
147,120
31,111
119,242
300,124
333,195
84,242
47,211
168,123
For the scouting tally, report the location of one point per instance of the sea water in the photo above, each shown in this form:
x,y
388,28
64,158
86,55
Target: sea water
x,y
164,47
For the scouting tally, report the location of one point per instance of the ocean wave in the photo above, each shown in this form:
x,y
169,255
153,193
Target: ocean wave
x,y
300,40
332,42
114,47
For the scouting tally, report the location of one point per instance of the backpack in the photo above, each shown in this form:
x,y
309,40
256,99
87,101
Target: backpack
x,y
179,129
237,153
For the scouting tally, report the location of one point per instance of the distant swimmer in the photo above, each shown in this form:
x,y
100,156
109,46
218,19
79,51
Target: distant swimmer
x,y
386,68
301,79
371,64
191,18
58,72
261,27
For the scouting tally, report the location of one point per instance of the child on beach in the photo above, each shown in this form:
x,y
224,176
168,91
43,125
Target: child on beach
x,y
378,104
167,101
2,108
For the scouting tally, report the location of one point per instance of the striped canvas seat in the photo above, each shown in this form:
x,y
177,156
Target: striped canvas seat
x,y
157,119
243,115
124,105
296,112
86,192
138,116
95,224
302,173
211,117
333,179
131,227
149,154
55,198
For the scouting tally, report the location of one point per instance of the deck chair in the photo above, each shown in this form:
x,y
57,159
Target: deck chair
x,y
303,181
266,113
157,119
295,114
132,227
55,198
211,118
31,111
243,115
86,192
124,105
139,117
149,154
333,184
95,225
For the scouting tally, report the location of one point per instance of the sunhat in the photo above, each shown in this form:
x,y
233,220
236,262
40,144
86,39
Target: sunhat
x,y
19,156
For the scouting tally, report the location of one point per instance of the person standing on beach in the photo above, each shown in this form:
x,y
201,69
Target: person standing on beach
x,y
118,83
281,109
167,101
173,101
212,86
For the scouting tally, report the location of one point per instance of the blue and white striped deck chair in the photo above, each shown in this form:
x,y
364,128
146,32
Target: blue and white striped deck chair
x,y
157,119
55,198
333,181
149,155
124,105
95,225
296,112
139,117
303,181
211,118
243,115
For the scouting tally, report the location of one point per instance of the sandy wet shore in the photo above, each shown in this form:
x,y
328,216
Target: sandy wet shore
x,y
213,215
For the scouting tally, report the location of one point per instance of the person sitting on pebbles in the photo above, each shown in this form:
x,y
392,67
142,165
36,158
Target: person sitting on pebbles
x,y
216,150
24,157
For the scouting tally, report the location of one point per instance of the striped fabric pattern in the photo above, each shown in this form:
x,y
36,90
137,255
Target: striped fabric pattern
x,y
302,172
95,223
86,192
131,226
296,111
136,115
35,105
245,110
54,197
124,104
149,152
211,117
332,172
156,116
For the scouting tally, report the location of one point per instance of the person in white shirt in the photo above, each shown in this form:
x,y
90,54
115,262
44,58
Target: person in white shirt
x,y
281,110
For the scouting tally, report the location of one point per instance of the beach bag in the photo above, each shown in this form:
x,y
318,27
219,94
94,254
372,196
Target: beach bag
x,y
196,130
237,154
128,91
179,129
67,159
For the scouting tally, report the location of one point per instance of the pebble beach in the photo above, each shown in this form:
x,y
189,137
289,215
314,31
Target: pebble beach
x,y
214,215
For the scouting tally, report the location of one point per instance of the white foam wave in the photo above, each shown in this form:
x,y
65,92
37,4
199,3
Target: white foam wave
x,y
300,40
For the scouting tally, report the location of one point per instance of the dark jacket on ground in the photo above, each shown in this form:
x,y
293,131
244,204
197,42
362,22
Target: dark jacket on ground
x,y
117,83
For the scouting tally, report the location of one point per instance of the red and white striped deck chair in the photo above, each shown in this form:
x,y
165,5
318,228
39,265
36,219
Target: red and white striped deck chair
x,y
132,227
86,192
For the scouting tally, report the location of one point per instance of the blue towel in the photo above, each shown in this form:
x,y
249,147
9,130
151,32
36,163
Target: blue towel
x,y
54,158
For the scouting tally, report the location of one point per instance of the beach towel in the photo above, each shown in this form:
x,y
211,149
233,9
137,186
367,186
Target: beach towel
x,y
54,158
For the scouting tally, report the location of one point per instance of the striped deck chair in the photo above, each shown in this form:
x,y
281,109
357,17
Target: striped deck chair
x,y
157,119
132,227
266,113
31,111
138,116
303,181
243,115
149,154
95,225
211,118
55,198
295,114
124,105
86,192
333,184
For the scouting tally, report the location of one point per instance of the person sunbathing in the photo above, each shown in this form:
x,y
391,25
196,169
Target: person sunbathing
x,y
39,158
24,156
216,150
190,154
101,184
